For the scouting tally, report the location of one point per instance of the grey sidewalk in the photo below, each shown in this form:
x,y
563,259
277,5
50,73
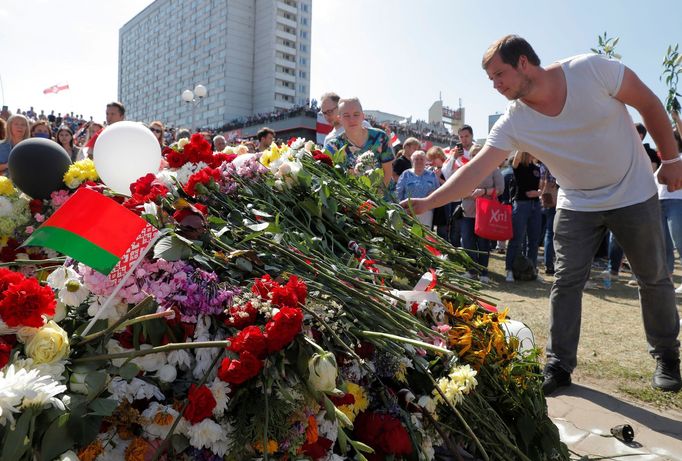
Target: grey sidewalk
x,y
585,415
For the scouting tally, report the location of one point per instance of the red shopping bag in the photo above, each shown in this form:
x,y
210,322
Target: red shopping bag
x,y
493,219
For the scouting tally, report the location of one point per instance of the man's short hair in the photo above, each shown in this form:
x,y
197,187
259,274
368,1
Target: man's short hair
x,y
347,100
331,95
467,128
641,129
510,49
218,137
263,132
121,108
411,142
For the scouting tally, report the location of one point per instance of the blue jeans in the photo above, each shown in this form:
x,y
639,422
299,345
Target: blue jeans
x,y
549,237
526,219
451,232
477,248
671,217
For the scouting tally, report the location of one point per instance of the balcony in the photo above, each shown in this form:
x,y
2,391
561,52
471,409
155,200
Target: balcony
x,y
286,35
287,22
284,90
289,9
285,77
285,49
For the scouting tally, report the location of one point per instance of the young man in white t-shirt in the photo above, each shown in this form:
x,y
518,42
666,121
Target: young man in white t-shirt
x,y
572,117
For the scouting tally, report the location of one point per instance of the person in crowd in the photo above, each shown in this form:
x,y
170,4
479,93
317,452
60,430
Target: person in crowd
x,y
115,112
446,227
158,130
17,131
404,162
41,129
329,108
477,247
466,143
3,132
219,143
418,181
653,155
506,196
357,139
182,133
671,213
65,139
265,138
548,195
601,165
526,213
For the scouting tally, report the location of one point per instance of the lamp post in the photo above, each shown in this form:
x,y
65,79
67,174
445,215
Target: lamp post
x,y
194,98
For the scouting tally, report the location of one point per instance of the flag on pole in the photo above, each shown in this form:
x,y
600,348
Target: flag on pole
x,y
395,140
56,88
98,232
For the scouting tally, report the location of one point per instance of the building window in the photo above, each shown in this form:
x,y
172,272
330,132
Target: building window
x,y
304,21
301,88
303,47
304,7
304,34
301,74
303,61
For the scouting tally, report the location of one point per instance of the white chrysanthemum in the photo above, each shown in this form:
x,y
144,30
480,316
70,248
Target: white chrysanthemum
x,y
205,434
150,362
157,414
54,370
21,388
180,359
464,377
204,358
167,178
58,277
296,145
188,169
114,347
220,390
112,313
5,207
150,208
167,374
137,389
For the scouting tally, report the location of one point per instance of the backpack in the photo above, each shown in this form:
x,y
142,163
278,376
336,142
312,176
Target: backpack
x,y
523,269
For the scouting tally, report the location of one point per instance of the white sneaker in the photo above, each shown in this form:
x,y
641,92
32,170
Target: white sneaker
x,y
484,279
678,290
510,277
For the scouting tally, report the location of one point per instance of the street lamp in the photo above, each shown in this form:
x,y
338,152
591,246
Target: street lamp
x,y
194,98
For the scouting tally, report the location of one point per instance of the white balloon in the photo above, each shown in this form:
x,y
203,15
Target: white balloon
x,y
522,332
241,159
124,152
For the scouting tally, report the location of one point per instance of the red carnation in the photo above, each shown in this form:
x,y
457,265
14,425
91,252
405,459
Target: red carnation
x,y
203,177
201,404
9,252
198,149
263,286
323,158
298,287
384,433
241,316
236,371
220,158
175,159
283,327
318,449
24,303
7,278
250,339
36,205
346,399
5,351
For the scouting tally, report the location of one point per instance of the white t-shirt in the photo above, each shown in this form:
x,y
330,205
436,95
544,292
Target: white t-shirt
x,y
663,193
591,147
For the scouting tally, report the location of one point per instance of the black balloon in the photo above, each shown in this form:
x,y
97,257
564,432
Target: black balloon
x,y
37,167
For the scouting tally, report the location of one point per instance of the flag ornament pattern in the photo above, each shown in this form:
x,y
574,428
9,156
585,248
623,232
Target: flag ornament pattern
x,y
56,89
96,231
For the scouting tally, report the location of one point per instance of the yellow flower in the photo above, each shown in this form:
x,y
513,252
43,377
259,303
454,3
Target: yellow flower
x,y
272,446
6,187
461,337
49,344
79,172
271,155
361,402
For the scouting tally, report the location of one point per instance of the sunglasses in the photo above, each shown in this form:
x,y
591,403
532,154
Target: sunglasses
x,y
155,130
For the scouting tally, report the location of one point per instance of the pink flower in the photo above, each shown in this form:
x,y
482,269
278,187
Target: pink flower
x,y
58,198
29,229
39,217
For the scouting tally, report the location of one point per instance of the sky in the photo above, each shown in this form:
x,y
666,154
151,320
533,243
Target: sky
x,y
397,56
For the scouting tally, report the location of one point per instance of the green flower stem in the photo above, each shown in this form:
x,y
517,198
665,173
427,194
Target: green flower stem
x,y
166,348
414,342
144,318
146,302
471,433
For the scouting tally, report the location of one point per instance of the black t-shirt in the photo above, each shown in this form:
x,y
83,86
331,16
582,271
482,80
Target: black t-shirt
x,y
401,164
527,178
653,155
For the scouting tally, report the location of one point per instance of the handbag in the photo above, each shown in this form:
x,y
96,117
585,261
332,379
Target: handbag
x,y
493,219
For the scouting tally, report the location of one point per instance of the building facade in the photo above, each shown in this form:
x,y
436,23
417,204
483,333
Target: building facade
x,y
253,56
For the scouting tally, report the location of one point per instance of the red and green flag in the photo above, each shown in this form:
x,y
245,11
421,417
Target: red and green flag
x,y
98,232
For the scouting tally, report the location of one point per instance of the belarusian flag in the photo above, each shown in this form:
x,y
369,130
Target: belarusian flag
x,y
98,232
395,140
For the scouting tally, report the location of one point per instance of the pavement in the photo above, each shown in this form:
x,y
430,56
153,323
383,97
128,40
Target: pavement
x,y
585,416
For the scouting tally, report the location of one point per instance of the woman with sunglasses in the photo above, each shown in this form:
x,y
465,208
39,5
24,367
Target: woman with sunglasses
x,y
157,128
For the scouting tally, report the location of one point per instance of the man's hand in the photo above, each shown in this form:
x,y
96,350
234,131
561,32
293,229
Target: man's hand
x,y
671,176
418,205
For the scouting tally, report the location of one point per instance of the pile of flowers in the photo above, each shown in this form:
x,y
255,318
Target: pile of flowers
x,y
289,312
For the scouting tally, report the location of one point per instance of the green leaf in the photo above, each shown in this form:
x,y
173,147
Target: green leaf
x,y
103,407
56,439
171,248
128,371
417,230
16,442
95,382
395,220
